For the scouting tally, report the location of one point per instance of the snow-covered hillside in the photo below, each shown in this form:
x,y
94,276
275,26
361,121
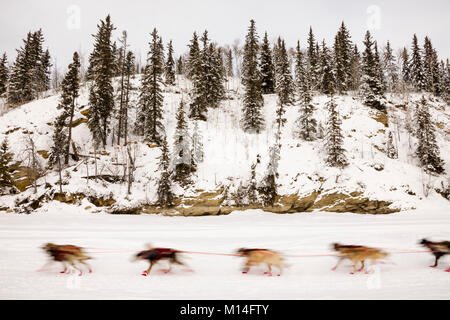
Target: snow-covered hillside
x,y
230,152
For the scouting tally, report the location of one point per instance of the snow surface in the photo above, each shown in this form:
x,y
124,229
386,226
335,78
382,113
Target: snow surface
x,y
112,240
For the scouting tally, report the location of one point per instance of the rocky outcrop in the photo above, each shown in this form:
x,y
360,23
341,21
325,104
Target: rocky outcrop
x,y
211,203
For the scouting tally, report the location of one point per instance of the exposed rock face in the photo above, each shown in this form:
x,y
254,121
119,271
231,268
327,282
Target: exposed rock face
x,y
210,203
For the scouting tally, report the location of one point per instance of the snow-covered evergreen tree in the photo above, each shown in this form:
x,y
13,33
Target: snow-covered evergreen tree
x,y
4,72
284,84
6,179
306,124
313,61
60,142
30,73
391,150
390,68
335,152
150,114
427,149
181,155
197,144
229,62
371,88
355,69
431,68
169,68
342,59
69,93
327,81
253,102
208,78
165,194
180,66
193,64
101,92
128,73
416,66
266,67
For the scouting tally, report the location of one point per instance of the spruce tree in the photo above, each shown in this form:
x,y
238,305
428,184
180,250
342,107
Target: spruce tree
x,y
229,62
180,66
313,61
69,93
121,89
371,88
6,179
266,67
3,74
169,68
335,152
431,68
355,69
427,149
150,114
284,82
193,63
253,102
60,141
101,92
445,80
181,158
165,194
128,72
300,70
342,59
197,145
416,64
20,76
391,150
406,68
390,68
327,82
306,125
379,69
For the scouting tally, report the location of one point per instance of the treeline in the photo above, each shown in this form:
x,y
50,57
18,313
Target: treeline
x,y
294,75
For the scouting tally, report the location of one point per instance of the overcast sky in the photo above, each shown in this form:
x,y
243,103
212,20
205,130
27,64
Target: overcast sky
x,y
68,25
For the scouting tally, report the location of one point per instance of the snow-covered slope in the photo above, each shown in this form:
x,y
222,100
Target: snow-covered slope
x,y
229,152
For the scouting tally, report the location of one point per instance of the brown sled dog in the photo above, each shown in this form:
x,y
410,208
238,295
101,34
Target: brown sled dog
x,y
438,249
66,254
356,253
153,255
261,256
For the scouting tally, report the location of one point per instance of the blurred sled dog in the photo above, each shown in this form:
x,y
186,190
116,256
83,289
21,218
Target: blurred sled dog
x,y
357,254
68,255
261,256
438,249
153,255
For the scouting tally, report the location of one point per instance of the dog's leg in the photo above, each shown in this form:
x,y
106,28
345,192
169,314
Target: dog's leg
x,y
73,264
337,264
147,272
246,267
65,267
437,256
354,267
362,266
87,265
269,267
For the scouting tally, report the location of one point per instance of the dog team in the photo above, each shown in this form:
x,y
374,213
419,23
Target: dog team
x,y
70,255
